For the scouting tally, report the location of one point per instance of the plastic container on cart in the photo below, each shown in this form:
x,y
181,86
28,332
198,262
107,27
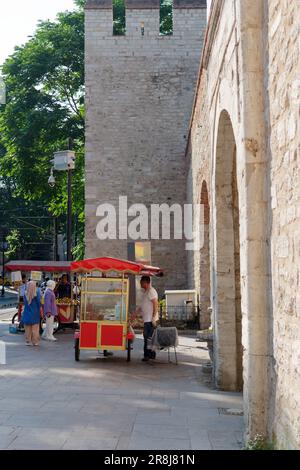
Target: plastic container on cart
x,y
118,311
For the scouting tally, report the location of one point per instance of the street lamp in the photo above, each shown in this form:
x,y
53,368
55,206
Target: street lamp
x,y
65,161
51,180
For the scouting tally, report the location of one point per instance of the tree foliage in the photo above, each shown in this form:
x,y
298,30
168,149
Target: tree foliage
x,y
119,16
45,106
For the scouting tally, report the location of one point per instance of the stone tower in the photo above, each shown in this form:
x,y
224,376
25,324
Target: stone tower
x,y
139,97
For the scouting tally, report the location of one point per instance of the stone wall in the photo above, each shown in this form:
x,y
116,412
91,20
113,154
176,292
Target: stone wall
x,y
282,85
211,163
198,163
237,165
246,116
139,95
244,143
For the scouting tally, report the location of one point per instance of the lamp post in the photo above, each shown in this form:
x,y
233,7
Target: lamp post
x,y
4,248
4,244
65,161
69,217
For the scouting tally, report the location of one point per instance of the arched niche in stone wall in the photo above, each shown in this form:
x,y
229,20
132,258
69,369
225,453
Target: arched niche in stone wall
x,y
226,261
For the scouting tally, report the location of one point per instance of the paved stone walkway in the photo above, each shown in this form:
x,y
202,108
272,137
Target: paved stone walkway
x,y
48,401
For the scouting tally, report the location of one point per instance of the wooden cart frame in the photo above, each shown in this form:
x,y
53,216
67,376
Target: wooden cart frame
x,y
101,333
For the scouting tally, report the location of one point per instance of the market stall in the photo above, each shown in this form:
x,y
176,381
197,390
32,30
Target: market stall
x,y
67,307
104,321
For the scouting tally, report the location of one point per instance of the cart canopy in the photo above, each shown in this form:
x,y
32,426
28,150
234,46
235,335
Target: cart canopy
x,y
45,266
116,265
105,265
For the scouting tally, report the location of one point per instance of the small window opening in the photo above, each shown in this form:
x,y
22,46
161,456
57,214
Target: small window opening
x,y
166,17
119,17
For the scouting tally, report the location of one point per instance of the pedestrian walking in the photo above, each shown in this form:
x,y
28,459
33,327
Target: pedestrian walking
x,y
31,315
50,310
44,285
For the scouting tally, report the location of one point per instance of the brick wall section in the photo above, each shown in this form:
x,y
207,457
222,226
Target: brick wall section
x,y
282,113
268,186
139,95
142,5
198,176
190,4
204,201
198,164
145,4
99,4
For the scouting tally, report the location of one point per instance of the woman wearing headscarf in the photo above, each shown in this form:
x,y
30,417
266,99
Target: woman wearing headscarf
x,y
50,310
31,314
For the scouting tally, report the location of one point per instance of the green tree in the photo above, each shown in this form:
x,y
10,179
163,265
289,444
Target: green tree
x,y
119,15
45,106
166,17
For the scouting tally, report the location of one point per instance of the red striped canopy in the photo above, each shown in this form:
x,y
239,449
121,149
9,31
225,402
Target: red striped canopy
x,y
107,264
45,266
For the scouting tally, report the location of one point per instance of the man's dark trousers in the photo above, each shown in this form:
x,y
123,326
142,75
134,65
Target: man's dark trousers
x,y
148,332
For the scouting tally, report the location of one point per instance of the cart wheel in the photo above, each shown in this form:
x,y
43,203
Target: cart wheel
x,y
129,343
15,318
16,321
77,350
56,325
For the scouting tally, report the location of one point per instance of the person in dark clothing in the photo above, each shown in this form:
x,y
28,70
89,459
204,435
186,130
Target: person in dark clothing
x,y
63,290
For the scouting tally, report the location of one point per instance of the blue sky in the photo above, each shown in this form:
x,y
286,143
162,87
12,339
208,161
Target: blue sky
x,y
18,19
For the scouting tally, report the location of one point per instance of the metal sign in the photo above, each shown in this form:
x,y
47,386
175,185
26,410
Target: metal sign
x,y
36,276
16,276
143,252
64,160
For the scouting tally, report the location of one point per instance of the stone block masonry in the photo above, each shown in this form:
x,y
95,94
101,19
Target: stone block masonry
x,y
250,69
242,153
139,96
282,114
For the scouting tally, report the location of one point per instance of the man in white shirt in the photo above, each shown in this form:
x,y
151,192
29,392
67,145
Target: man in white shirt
x,y
149,313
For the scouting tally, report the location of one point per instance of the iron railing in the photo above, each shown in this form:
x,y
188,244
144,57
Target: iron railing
x,y
183,317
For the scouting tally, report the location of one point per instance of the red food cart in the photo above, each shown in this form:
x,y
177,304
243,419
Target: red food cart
x,y
104,322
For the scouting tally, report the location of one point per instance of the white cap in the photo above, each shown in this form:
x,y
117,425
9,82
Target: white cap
x,y
51,284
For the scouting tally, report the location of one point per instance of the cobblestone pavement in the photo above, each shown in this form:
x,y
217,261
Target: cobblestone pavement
x,y
48,401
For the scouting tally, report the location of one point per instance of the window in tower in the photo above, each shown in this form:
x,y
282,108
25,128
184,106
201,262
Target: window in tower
x,y
119,17
166,17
